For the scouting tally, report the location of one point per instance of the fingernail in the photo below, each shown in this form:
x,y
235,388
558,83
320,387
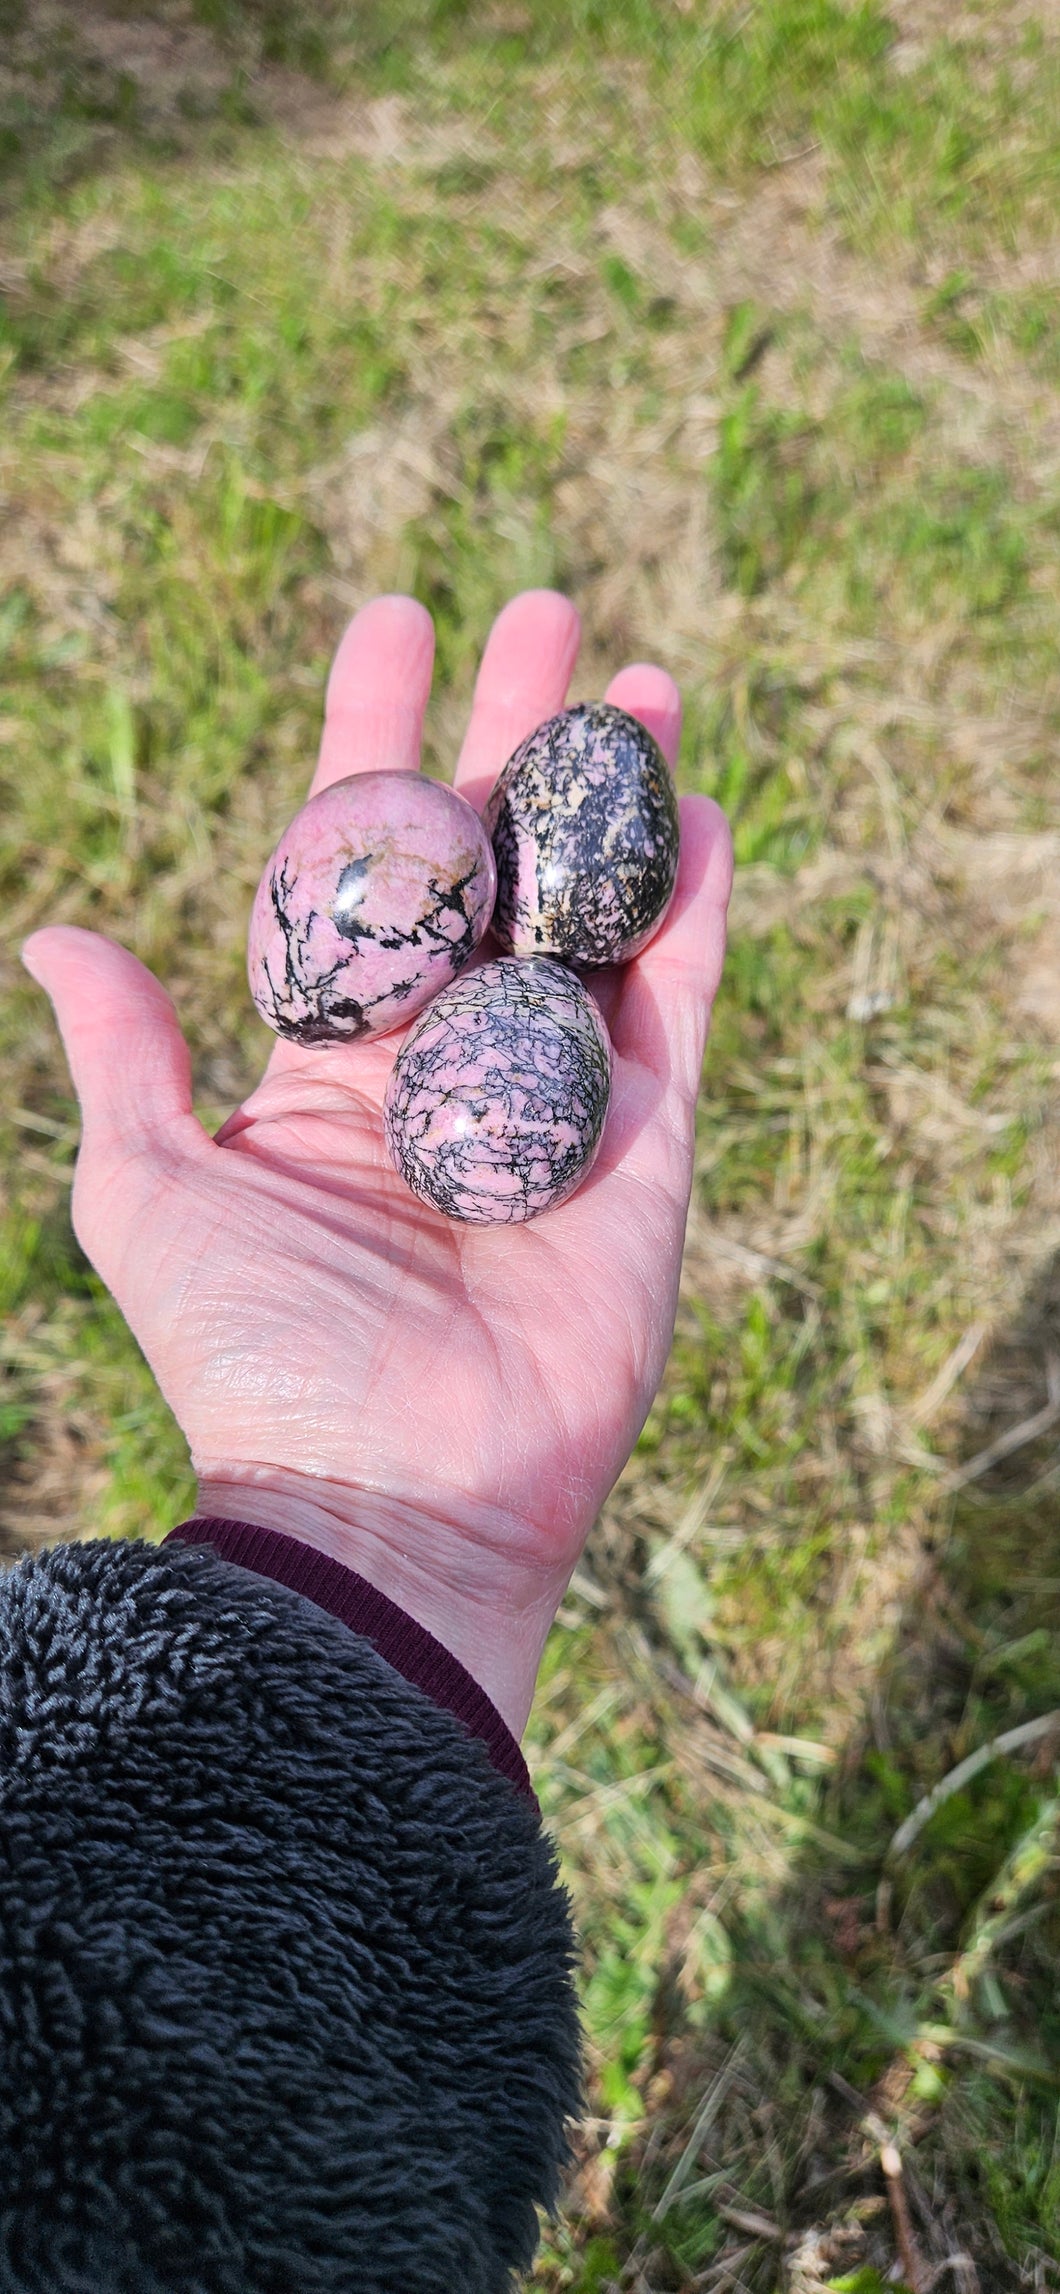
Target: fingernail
x,y
27,959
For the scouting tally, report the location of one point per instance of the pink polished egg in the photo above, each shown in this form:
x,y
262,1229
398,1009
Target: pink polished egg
x,y
496,1102
374,898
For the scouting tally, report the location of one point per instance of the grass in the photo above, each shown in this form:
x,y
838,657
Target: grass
x,y
738,325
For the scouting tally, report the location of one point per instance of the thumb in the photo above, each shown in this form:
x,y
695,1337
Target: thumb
x,y
127,1057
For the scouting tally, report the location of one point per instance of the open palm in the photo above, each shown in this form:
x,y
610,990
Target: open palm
x,y
445,1406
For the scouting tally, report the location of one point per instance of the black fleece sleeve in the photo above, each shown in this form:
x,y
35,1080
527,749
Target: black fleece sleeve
x,y
285,1966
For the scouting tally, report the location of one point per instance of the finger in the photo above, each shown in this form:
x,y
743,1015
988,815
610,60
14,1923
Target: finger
x,y
525,671
377,693
132,1075
651,696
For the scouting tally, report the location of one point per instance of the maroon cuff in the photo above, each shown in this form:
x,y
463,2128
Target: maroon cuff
x,y
397,1638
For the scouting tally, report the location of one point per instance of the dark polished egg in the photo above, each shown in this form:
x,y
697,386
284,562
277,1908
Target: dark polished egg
x,y
496,1101
585,834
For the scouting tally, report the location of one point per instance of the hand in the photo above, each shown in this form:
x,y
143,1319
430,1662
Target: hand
x,y
443,1407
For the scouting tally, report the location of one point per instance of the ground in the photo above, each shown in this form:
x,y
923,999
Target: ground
x,y
740,325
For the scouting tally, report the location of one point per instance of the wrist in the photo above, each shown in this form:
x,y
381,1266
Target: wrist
x,y
464,1580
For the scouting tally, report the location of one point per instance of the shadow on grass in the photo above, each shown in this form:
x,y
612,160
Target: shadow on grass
x,y
899,1995
92,86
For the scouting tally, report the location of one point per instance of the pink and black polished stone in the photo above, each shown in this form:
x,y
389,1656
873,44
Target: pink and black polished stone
x,y
374,898
585,832
496,1102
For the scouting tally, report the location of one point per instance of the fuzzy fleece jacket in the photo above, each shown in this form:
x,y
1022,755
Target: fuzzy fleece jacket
x,y
286,2000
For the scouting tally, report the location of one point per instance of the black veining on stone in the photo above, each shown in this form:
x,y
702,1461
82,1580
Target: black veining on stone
x,y
308,1006
519,1054
590,792
301,1007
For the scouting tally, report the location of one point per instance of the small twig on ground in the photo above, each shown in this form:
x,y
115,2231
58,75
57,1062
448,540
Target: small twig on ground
x,y
797,1748
909,2255
849,2094
942,1384
1009,1741
588,1590
723,2277
1016,1438
788,158
759,1262
966,2276
756,2225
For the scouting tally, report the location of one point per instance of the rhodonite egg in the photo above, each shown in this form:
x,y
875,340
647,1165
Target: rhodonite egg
x,y
496,1102
374,898
585,833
